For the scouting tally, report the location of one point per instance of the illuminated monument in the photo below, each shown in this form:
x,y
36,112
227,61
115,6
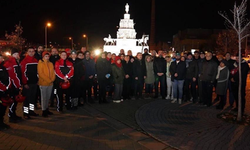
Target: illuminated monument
x,y
126,37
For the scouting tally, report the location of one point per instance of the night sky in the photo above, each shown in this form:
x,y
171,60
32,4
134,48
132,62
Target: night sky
x,y
98,19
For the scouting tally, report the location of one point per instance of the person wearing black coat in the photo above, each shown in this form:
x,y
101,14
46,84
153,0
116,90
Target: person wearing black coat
x,y
178,71
230,66
160,74
127,67
103,70
191,79
139,74
234,77
208,77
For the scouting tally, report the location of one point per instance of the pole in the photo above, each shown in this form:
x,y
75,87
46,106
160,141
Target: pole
x,y
46,38
87,42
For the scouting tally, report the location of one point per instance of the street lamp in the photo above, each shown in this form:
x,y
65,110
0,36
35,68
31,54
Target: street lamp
x,y
46,36
72,43
87,40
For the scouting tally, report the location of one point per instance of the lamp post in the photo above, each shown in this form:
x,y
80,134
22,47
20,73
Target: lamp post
x,y
72,43
46,36
87,40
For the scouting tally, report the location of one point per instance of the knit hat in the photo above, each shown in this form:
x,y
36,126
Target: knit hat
x,y
45,53
202,52
14,50
178,54
73,51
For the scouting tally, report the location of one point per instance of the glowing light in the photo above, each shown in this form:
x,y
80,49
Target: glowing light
x,y
70,38
48,24
84,35
97,52
7,53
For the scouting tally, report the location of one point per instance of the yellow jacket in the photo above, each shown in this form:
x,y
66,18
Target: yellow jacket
x,y
46,73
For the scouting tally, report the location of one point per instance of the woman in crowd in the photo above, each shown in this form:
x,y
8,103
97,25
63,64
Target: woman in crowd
x,y
222,81
47,76
150,79
118,77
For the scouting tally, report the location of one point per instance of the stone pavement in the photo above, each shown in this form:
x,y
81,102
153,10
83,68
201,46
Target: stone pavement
x,y
83,129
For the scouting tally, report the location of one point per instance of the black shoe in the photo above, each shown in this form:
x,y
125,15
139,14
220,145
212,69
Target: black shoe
x,y
219,107
45,113
49,112
4,126
51,105
26,116
32,113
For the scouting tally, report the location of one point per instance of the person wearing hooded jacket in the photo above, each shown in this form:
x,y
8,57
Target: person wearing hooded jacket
x,y
47,76
64,71
13,68
118,77
29,79
4,85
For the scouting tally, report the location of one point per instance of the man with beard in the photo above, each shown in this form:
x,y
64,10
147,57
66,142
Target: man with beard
x,y
39,51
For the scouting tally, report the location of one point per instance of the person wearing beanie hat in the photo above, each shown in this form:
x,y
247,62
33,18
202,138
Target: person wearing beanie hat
x,y
47,76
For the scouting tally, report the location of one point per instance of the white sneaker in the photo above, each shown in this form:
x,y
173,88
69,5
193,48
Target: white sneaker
x,y
174,100
191,99
122,100
168,97
180,101
116,101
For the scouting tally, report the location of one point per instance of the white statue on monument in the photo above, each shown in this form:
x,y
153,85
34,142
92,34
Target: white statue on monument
x,y
127,8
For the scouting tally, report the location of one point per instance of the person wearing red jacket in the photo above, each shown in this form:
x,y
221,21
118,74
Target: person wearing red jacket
x,y
29,80
4,85
14,71
64,72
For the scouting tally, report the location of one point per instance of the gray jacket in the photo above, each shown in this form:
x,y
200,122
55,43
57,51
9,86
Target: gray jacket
x,y
222,81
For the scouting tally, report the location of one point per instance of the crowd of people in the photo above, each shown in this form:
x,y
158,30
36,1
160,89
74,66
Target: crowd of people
x,y
72,77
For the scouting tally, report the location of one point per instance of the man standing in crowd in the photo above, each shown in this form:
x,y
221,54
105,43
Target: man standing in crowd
x,y
235,82
230,66
139,74
14,71
145,53
127,67
90,74
64,72
178,72
4,85
200,62
38,53
103,69
191,79
208,76
53,58
160,74
30,80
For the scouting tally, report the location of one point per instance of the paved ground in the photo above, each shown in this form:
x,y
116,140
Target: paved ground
x,y
133,124
83,129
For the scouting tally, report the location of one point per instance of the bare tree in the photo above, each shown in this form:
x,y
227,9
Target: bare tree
x,y
239,24
227,41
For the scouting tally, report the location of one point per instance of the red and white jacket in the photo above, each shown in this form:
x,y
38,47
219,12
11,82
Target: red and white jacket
x,y
14,71
29,70
64,68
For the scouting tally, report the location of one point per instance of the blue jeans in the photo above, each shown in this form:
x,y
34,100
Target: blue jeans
x,y
178,87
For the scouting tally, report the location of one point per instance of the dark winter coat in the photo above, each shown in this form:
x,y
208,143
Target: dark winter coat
x,y
179,68
244,72
103,67
209,71
29,70
118,74
128,70
192,70
54,58
139,69
222,82
230,64
159,65
150,72
90,67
